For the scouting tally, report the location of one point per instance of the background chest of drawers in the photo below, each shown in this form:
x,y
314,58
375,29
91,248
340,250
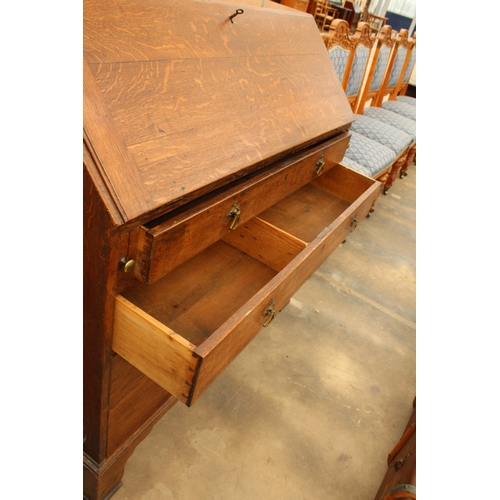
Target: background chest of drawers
x,y
212,191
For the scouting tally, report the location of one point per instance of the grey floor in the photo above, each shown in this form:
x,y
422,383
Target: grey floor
x,y
311,408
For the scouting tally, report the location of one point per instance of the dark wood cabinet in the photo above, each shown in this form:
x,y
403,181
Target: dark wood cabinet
x,y
212,190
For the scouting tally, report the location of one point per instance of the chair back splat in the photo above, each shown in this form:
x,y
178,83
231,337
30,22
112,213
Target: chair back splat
x,y
360,64
402,86
340,49
399,59
379,66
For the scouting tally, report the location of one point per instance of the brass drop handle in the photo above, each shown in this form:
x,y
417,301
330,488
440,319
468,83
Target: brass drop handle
x,y
234,216
320,164
354,223
269,313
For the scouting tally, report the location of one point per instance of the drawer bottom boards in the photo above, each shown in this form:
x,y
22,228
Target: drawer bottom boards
x,y
185,329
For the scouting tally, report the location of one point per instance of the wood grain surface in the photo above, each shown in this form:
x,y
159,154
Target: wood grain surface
x,y
197,100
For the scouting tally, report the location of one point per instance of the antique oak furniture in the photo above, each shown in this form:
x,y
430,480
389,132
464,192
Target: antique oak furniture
x,y
212,140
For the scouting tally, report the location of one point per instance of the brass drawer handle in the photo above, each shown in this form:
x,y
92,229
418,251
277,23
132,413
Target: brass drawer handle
x,y
269,313
354,223
128,265
234,216
320,164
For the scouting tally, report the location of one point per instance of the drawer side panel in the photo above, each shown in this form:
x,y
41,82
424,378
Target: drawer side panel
x,y
150,346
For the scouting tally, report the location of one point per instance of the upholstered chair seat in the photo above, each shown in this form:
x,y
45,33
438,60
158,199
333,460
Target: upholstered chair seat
x,y
407,99
385,134
401,108
394,120
354,165
369,153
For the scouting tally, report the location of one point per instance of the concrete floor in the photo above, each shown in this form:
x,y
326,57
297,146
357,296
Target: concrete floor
x,y
312,407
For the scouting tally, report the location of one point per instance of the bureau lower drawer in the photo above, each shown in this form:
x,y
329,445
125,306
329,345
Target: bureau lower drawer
x,y
186,328
166,242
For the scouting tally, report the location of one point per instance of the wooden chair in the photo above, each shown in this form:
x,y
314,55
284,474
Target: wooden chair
x,y
400,90
380,65
391,84
382,48
325,14
376,23
378,148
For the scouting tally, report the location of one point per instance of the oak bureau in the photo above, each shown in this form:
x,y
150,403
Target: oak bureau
x,y
212,141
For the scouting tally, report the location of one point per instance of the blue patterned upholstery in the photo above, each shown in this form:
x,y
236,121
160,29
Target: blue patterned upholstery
x,y
354,165
371,154
384,134
407,99
339,58
394,120
409,68
380,67
357,70
401,108
397,66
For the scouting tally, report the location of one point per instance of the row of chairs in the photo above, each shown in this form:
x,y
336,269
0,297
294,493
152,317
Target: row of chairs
x,y
376,70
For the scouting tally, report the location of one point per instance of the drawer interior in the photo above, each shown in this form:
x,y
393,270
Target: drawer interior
x,y
306,212
202,293
198,296
185,328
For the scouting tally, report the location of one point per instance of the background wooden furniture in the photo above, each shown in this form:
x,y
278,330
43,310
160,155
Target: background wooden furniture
x,y
301,5
324,15
354,17
376,22
212,190
343,11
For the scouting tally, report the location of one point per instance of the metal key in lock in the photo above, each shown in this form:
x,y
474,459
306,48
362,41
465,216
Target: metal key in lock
x,y
234,215
320,165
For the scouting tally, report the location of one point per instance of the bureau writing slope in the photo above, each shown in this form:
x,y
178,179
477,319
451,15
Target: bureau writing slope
x,y
212,191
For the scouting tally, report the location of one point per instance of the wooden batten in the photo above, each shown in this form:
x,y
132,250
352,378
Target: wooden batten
x,y
266,243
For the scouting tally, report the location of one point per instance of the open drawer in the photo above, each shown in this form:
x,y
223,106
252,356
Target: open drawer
x,y
166,242
183,330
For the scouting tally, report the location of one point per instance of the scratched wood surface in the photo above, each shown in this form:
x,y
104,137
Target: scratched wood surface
x,y
198,100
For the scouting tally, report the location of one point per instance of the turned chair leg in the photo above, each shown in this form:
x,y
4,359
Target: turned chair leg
x,y
392,174
409,159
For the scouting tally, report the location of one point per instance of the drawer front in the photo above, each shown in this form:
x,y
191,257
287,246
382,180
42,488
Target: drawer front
x,y
186,367
168,243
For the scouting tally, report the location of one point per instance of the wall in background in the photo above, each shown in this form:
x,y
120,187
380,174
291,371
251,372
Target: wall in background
x,y
398,22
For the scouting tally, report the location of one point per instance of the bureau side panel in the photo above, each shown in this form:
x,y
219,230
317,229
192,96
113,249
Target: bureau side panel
x,y
98,303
